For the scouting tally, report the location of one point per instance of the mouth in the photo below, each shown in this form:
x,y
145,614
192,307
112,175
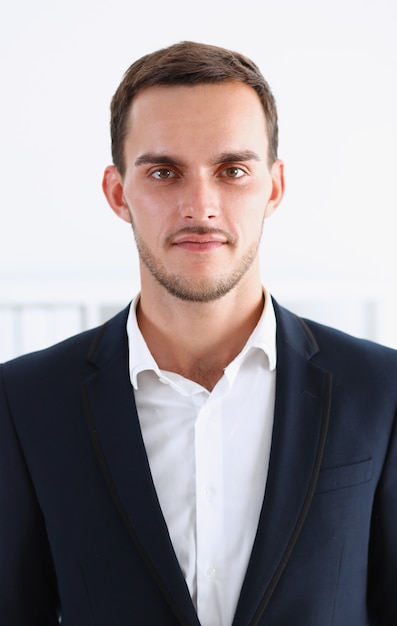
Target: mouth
x,y
199,239
199,243
199,246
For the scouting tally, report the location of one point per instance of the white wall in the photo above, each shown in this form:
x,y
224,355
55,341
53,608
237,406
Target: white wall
x,y
333,69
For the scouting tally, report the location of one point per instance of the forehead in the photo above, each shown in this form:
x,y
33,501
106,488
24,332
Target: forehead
x,y
205,112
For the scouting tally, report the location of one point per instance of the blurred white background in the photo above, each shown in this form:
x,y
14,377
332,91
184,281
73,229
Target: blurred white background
x,y
329,252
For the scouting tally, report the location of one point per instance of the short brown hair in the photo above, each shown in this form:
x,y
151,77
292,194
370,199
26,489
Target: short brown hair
x,y
187,63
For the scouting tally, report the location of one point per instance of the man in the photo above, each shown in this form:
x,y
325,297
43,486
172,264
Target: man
x,y
206,457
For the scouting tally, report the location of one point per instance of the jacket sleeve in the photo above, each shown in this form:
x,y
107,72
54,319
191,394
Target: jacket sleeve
x,y
28,595
382,572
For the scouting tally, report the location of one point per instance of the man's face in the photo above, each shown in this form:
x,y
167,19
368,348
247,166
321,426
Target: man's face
x,y
197,187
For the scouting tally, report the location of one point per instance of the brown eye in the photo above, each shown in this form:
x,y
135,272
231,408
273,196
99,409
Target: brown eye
x,y
163,174
233,172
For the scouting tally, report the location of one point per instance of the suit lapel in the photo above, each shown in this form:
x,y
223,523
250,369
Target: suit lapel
x,y
300,427
116,436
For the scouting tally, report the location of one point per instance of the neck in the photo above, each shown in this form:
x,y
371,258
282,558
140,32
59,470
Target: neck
x,y
198,340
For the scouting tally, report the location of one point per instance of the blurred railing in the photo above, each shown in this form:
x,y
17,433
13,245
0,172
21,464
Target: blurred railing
x,y
34,315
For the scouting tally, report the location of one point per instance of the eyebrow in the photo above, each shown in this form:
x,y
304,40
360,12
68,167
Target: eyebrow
x,y
231,157
148,158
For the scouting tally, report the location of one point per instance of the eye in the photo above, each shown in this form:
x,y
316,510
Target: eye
x,y
163,174
233,172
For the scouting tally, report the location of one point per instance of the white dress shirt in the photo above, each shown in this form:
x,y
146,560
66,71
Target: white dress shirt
x,y
209,454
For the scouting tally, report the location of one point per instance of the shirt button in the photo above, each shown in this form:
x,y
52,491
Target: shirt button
x,y
205,413
207,492
211,573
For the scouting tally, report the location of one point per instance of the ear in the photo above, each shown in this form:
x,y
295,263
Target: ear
x,y
277,174
112,185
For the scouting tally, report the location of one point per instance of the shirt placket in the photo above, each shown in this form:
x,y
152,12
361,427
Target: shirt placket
x,y
209,513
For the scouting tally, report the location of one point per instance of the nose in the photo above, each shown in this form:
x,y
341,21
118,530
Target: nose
x,y
199,200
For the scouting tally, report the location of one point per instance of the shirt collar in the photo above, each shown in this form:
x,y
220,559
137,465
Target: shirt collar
x,y
263,337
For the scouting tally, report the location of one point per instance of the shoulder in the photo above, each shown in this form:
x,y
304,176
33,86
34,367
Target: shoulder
x,y
331,348
70,358
56,356
337,342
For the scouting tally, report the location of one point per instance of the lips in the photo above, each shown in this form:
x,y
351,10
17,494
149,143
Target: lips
x,y
199,239
202,245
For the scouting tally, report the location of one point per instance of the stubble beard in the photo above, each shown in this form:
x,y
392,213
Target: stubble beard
x,y
202,290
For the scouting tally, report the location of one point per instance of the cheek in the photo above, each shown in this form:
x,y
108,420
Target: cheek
x,y
143,212
248,210
146,203
252,226
148,221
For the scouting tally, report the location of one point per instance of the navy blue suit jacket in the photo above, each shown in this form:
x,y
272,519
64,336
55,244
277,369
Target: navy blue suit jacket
x,y
82,530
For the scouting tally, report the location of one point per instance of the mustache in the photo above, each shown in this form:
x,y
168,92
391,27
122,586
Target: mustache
x,y
199,230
